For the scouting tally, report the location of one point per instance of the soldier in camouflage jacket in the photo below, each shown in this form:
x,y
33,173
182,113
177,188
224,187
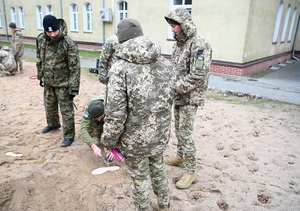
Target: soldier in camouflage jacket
x,y
138,112
107,58
58,69
191,59
17,46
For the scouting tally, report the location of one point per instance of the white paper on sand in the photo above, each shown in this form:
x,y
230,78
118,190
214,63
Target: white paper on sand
x,y
102,170
13,154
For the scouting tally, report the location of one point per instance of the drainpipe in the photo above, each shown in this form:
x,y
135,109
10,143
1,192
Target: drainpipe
x,y
5,19
61,9
103,26
295,39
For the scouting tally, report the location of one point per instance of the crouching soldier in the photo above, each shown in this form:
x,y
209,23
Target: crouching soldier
x,y
92,122
7,61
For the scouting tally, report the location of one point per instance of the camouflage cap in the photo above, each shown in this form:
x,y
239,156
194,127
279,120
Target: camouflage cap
x,y
96,108
12,25
128,29
6,48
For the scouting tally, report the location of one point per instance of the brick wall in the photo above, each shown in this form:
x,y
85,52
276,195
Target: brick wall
x,y
245,69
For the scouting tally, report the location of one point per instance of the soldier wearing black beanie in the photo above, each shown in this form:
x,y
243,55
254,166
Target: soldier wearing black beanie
x,y
50,23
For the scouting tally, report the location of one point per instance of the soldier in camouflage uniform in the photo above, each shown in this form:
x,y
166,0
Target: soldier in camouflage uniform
x,y
107,58
92,124
17,46
138,112
58,69
191,59
7,61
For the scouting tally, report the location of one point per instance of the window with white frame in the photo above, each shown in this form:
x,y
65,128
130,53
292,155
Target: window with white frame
x,y
121,11
13,15
179,3
39,17
292,24
73,17
286,21
49,10
87,17
278,21
21,17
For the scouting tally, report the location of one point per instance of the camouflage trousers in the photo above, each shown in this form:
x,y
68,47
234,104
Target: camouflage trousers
x,y
54,96
184,123
143,171
6,69
19,63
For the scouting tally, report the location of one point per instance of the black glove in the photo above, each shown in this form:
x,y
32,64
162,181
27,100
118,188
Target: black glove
x,y
71,97
41,83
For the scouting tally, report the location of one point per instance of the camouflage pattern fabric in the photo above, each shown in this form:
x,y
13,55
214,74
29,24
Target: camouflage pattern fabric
x,y
191,58
54,96
139,171
184,122
138,115
58,61
91,128
139,100
7,61
18,48
191,81
107,58
58,64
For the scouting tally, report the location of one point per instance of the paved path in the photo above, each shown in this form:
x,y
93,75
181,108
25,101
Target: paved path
x,y
282,85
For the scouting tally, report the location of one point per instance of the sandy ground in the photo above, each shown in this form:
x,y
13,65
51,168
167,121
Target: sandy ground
x,y
248,157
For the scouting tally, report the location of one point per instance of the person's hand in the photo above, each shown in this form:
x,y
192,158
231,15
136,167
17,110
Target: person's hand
x,y
41,83
109,156
96,150
71,97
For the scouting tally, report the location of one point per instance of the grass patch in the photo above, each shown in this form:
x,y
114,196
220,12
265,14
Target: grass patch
x,y
235,98
84,53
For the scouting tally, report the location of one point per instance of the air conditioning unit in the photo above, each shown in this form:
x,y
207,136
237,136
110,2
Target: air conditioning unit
x,y
106,15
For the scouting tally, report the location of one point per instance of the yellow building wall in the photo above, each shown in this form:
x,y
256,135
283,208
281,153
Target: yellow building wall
x,y
260,29
239,31
224,25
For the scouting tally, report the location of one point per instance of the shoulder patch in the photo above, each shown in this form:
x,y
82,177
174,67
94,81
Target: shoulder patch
x,y
199,60
86,114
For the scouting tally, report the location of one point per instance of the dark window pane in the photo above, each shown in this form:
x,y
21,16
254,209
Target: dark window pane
x,y
177,2
189,2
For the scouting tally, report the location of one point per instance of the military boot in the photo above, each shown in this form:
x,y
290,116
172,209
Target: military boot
x,y
174,161
186,180
157,208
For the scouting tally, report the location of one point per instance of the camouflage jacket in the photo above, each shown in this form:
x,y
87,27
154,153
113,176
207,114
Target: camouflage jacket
x,y
107,58
57,60
7,59
90,127
139,100
17,43
191,58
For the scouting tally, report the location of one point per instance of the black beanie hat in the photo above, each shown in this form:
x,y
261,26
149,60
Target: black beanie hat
x,y
128,29
50,23
171,21
96,108
12,25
